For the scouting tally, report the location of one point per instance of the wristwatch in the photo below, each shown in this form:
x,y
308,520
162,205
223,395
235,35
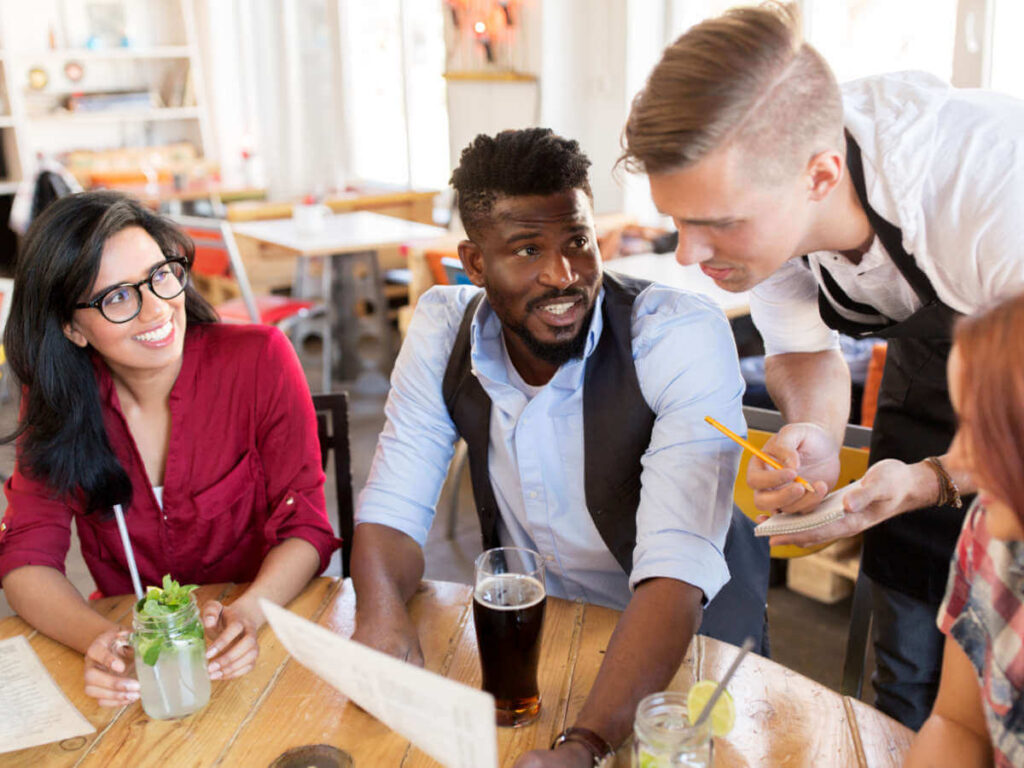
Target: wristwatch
x,y
598,748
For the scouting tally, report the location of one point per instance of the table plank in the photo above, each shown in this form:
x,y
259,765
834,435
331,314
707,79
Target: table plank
x,y
67,667
303,709
138,740
782,718
883,741
13,626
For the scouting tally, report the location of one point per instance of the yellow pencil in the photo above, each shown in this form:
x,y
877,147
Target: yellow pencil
x,y
754,450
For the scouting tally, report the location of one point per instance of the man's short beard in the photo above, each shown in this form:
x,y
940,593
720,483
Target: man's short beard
x,y
559,352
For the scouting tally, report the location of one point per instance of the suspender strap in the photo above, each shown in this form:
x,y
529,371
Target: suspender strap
x,y
889,234
470,409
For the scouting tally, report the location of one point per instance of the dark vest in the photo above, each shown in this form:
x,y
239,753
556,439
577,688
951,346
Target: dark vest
x,y
617,423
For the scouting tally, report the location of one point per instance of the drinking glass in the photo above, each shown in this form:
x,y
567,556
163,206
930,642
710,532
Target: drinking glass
x,y
663,736
508,610
170,661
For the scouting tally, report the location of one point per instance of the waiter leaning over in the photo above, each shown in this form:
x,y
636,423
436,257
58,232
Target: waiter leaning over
x,y
884,208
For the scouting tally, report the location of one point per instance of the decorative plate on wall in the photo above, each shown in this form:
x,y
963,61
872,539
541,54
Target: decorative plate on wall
x,y
37,78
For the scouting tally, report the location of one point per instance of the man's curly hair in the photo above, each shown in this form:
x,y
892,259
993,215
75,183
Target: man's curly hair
x,y
532,161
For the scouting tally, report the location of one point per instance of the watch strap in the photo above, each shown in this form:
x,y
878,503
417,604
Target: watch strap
x,y
599,749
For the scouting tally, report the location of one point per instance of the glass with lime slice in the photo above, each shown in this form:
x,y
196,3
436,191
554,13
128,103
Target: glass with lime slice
x,y
665,737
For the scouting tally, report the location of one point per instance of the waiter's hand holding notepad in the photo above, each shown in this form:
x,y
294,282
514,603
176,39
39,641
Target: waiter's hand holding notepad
x,y
830,510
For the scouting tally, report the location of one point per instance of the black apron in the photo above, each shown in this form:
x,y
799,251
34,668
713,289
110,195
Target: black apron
x,y
909,553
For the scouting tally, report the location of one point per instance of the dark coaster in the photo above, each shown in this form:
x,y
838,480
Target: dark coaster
x,y
314,756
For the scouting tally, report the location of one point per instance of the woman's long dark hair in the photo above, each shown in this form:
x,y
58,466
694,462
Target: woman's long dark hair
x,y
61,436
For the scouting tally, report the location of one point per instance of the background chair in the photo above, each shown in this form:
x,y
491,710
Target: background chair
x,y
219,272
332,431
762,423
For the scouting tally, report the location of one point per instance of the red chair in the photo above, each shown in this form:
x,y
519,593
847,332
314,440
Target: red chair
x,y
217,257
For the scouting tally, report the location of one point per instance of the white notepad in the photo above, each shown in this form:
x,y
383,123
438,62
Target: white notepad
x,y
830,510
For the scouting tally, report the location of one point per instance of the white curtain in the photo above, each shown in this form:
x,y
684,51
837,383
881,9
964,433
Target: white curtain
x,y
326,93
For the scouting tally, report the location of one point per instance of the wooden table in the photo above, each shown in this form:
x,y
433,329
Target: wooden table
x,y
783,719
351,277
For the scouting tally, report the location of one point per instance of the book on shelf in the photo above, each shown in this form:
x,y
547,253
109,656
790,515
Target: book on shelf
x,y
107,101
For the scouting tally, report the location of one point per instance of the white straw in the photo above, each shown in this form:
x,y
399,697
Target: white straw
x,y
132,568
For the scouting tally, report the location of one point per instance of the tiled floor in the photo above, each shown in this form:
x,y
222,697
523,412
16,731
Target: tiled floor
x,y
805,635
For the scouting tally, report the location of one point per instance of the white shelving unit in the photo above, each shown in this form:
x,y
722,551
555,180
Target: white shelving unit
x,y
160,55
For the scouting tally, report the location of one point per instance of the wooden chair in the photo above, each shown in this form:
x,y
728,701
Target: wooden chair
x,y
218,260
332,431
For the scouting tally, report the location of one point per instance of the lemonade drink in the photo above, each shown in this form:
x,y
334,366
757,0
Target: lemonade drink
x,y
170,652
664,738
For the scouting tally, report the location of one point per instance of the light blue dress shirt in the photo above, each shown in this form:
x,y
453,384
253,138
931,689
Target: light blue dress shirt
x,y
687,367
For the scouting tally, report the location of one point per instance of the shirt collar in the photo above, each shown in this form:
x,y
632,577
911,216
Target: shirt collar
x,y
486,347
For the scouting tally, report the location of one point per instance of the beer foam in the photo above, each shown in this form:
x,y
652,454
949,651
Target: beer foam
x,y
520,590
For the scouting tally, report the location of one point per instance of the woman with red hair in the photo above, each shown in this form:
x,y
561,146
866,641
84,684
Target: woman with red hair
x,y
978,718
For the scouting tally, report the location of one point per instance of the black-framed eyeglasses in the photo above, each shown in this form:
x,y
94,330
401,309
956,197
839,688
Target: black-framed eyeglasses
x,y
121,303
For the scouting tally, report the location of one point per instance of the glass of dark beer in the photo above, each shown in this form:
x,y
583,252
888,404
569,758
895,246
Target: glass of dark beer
x,y
508,609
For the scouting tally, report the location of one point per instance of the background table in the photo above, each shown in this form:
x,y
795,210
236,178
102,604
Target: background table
x,y
783,719
352,278
663,268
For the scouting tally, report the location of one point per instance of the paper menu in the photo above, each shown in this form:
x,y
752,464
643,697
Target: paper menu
x,y
33,708
830,510
451,722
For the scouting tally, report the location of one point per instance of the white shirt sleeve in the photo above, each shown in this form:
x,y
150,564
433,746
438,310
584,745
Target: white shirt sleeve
x,y
784,307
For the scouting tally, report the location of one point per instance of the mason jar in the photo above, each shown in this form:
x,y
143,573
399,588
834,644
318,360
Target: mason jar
x,y
663,736
170,661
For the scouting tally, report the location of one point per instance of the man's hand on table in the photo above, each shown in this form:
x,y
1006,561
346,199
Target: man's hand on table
x,y
232,630
567,755
392,633
889,488
804,449
108,665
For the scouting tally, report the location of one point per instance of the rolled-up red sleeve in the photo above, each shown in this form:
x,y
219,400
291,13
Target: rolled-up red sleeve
x,y
36,528
290,452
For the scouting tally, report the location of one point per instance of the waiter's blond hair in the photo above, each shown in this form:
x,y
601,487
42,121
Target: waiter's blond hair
x,y
746,76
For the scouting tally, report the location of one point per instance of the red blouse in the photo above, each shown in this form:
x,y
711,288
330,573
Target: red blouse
x,y
243,474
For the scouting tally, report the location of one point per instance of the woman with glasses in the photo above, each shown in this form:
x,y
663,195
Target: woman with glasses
x,y
133,394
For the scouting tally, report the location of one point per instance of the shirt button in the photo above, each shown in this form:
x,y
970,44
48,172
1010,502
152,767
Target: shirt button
x,y
533,494
289,501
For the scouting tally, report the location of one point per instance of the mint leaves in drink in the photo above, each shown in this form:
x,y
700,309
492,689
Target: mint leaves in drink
x,y
162,620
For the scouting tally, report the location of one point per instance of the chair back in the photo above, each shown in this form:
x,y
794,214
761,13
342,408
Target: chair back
x,y
761,425
332,431
217,254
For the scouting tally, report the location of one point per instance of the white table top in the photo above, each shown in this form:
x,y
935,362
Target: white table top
x,y
342,233
663,268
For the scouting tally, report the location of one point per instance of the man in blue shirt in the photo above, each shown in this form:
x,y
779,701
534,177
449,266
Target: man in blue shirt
x,y
581,396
